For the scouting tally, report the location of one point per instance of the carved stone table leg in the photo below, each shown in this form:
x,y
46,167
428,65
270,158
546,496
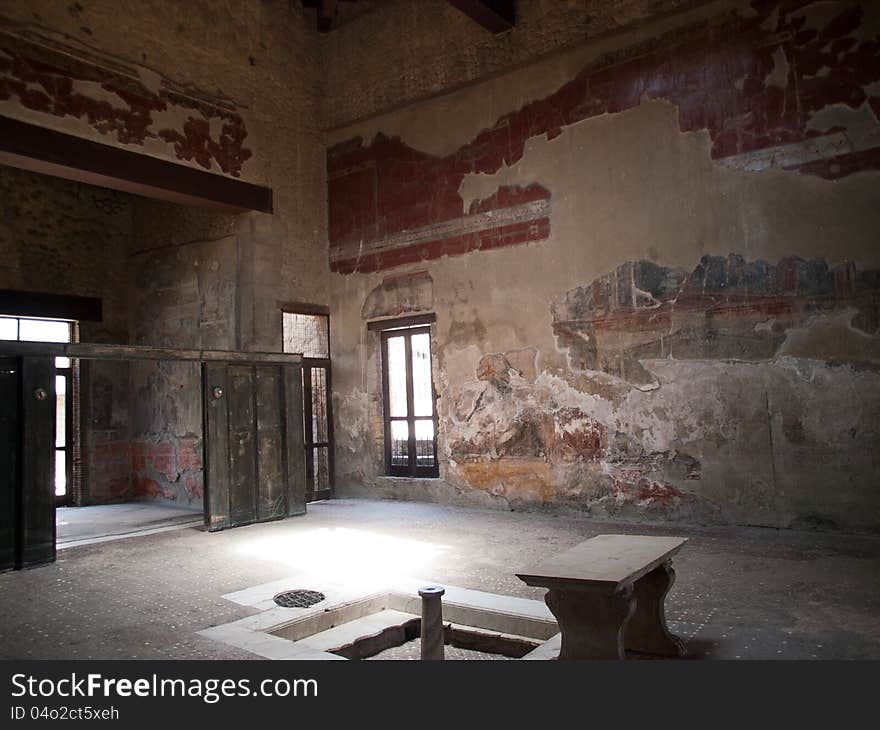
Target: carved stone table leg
x,y
592,621
646,631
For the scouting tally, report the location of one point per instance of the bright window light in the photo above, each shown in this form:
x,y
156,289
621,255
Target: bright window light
x,y
44,330
60,475
8,328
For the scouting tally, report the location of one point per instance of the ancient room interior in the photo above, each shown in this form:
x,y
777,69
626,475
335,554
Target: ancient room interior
x,y
383,329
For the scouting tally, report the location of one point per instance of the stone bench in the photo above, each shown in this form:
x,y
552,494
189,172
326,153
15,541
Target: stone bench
x,y
607,595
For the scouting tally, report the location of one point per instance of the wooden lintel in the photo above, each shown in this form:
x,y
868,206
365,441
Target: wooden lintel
x,y
49,306
38,149
415,320
496,16
303,308
326,15
93,351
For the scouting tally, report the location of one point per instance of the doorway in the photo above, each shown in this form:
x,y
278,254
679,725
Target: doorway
x,y
306,331
29,329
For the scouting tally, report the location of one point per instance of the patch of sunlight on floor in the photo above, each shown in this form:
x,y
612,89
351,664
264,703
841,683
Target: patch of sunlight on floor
x,y
355,555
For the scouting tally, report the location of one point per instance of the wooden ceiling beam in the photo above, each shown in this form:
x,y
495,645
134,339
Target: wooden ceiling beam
x,y
496,16
38,149
326,15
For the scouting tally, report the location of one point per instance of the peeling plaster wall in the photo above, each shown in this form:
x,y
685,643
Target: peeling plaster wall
x,y
694,335
394,200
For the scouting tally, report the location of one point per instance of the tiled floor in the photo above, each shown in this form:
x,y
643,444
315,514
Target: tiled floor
x,y
80,525
739,592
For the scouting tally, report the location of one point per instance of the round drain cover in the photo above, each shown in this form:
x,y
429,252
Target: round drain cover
x,y
299,598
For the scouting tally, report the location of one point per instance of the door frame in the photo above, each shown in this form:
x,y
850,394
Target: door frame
x,y
311,494
69,437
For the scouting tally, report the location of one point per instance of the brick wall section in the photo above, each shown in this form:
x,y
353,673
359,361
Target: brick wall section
x,y
170,470
66,238
129,470
406,50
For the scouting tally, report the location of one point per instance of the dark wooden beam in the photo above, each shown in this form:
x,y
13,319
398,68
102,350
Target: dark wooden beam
x,y
95,351
326,17
35,148
377,325
303,308
496,16
49,306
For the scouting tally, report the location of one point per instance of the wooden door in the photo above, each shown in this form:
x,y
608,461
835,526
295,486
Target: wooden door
x,y
10,387
37,501
27,461
254,457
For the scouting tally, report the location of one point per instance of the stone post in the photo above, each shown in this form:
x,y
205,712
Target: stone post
x,y
432,622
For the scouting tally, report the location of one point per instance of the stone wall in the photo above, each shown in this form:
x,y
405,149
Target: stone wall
x,y
654,268
185,295
647,230
231,88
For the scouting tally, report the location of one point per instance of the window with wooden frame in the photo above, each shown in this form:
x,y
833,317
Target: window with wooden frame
x,y
408,394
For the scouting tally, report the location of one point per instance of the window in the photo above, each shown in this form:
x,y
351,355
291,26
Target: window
x,y
410,417
51,330
306,331
307,334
